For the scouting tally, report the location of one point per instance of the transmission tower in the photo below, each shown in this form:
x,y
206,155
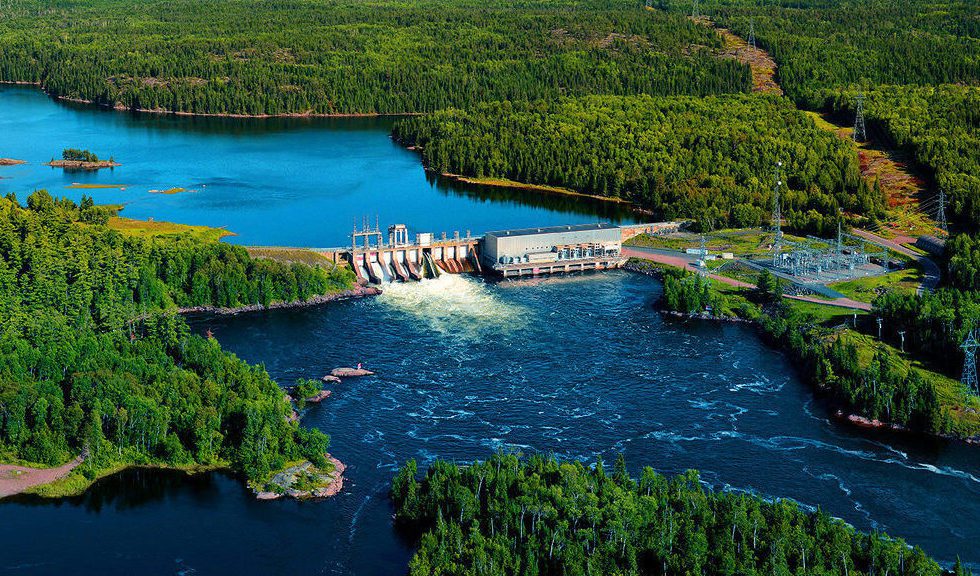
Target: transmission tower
x,y
752,34
695,12
703,261
777,218
860,132
969,346
941,215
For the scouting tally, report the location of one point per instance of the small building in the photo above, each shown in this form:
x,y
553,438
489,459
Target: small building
x,y
553,249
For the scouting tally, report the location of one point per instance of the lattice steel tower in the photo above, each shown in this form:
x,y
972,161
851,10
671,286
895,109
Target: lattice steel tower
x,y
777,217
969,346
752,34
695,12
860,132
941,212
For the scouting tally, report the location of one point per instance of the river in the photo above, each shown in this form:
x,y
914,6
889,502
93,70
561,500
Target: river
x,y
576,366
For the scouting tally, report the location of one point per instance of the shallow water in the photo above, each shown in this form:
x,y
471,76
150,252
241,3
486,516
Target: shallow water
x,y
577,366
285,182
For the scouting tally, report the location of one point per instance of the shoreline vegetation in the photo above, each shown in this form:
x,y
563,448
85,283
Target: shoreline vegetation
x,y
131,385
513,184
687,296
542,515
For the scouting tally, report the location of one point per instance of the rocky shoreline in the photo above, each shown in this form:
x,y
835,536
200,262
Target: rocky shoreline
x,y
11,162
358,291
82,165
325,484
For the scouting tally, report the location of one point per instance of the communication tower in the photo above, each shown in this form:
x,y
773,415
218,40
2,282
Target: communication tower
x,y
860,132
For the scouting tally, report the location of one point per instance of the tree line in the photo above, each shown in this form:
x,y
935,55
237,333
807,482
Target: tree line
x,y
543,516
313,56
713,159
94,360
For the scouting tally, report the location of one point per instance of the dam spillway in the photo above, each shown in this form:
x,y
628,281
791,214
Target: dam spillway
x,y
378,258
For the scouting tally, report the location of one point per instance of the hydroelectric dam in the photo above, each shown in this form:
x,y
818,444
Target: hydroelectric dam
x,y
379,258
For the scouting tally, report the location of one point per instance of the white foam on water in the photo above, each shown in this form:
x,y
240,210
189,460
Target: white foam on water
x,y
454,304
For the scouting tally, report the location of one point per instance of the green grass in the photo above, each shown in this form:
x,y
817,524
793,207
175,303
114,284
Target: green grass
x,y
289,255
739,241
866,289
826,314
152,228
963,407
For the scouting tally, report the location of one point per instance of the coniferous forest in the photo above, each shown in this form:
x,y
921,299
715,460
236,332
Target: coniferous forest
x,y
94,359
613,98
711,158
542,516
350,57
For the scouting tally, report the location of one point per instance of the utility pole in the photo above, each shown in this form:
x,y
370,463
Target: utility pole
x,y
879,328
860,132
941,216
901,334
969,378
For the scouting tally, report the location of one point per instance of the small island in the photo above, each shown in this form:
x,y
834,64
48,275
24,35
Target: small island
x,y
11,162
75,159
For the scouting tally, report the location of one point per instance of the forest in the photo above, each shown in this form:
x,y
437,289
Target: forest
x,y
94,359
712,158
351,57
539,515
823,46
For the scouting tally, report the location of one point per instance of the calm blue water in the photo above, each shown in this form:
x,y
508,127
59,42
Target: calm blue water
x,y
577,366
288,182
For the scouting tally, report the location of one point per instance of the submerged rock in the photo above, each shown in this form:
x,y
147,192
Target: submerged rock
x,y
350,372
331,378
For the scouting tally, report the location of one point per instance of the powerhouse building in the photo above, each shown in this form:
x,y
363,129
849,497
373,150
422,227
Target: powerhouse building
x,y
553,249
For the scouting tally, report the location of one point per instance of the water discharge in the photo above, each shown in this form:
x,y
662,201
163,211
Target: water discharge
x,y
453,304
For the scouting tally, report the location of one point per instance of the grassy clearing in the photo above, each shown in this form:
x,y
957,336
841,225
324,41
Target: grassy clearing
x,y
289,255
743,242
963,407
867,289
902,187
152,228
